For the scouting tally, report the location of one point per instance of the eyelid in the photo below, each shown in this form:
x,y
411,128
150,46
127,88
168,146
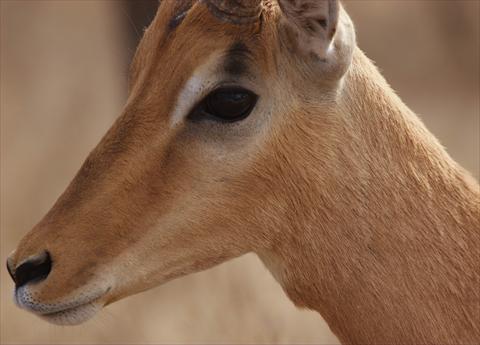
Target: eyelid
x,y
200,112
201,84
205,91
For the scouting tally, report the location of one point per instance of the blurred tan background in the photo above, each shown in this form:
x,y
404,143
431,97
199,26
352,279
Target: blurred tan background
x,y
63,81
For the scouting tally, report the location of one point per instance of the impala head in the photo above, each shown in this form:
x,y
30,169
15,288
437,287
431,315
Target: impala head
x,y
206,160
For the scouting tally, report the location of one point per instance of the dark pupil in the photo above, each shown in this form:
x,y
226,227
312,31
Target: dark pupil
x,y
230,104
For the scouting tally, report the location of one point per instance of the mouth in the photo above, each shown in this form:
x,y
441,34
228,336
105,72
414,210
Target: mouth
x,y
67,313
73,315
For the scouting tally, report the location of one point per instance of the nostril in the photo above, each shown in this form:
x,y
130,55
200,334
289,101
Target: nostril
x,y
10,271
33,270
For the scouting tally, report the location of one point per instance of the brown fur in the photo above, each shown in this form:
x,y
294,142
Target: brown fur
x,y
352,204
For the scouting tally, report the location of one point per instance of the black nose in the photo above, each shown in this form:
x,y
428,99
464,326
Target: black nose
x,y
34,269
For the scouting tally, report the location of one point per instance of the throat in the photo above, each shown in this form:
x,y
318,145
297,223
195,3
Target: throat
x,y
381,281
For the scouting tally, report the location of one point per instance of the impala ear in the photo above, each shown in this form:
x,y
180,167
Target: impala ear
x,y
311,24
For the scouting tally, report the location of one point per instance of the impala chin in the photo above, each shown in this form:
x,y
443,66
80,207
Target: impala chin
x,y
73,310
73,316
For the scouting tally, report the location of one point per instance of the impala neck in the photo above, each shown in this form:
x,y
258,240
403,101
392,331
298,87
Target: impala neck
x,y
389,252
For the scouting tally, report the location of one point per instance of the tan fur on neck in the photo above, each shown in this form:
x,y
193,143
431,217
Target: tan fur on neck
x,y
384,238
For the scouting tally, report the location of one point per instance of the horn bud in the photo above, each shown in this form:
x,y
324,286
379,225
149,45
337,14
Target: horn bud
x,y
236,11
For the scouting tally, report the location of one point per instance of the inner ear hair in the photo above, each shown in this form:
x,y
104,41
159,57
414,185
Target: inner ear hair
x,y
312,22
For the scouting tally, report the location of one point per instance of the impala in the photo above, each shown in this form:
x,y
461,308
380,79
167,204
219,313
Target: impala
x,y
259,126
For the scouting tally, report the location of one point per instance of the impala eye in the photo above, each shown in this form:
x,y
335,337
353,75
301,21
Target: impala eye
x,y
228,104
